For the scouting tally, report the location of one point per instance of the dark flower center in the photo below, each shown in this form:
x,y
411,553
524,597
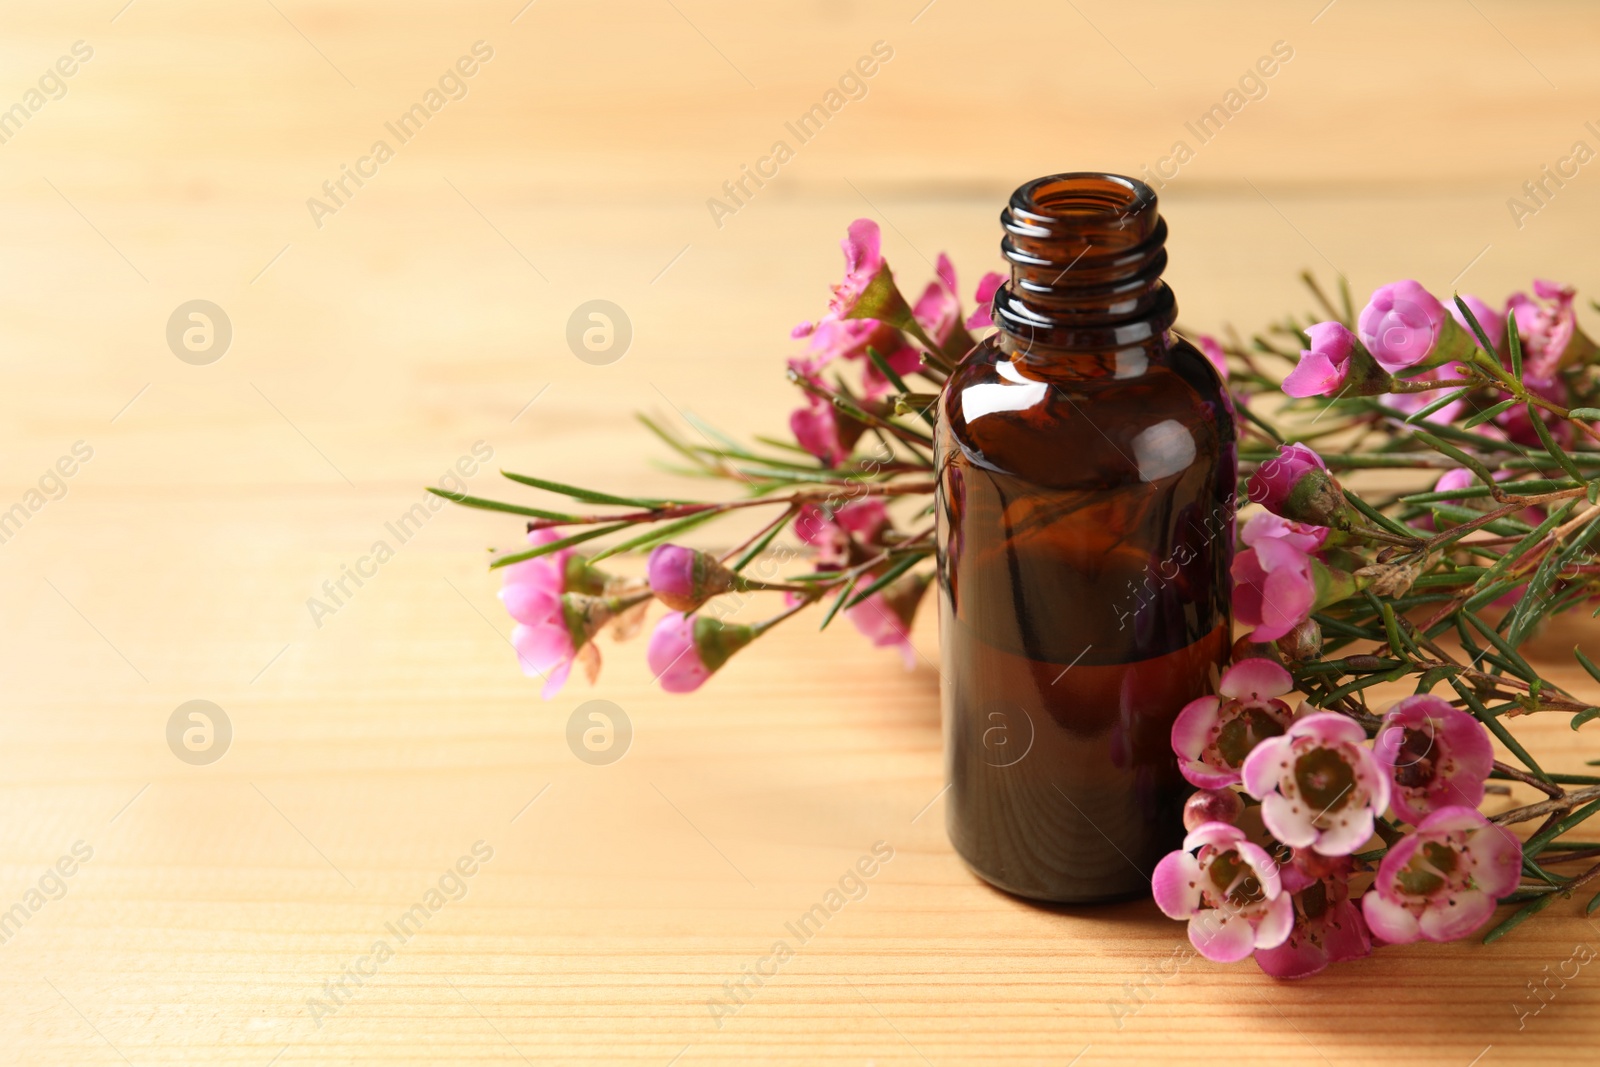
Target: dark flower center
x,y
1325,779
1228,868
1428,870
1240,734
1414,762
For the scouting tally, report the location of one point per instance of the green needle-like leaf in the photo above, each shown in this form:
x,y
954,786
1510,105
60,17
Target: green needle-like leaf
x,y
651,538
578,493
1514,340
1519,917
1497,727
1435,405
556,546
898,568
500,505
1488,413
838,602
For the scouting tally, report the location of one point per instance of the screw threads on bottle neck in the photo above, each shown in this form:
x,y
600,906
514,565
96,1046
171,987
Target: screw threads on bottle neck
x,y
1086,252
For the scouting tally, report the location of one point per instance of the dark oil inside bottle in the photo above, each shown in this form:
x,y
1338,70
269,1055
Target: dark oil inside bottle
x,y
1085,514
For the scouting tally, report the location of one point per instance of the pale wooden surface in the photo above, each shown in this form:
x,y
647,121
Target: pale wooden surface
x,y
372,752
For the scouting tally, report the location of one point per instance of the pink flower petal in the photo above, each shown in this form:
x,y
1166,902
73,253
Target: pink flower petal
x,y
1454,916
1301,958
1276,924
1388,920
984,298
1175,884
1344,934
556,679
1290,821
530,603
1266,763
1314,375
1255,679
1222,938
1192,728
1217,834
1499,860
1351,830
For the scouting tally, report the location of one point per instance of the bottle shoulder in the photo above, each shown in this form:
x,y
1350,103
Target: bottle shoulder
x,y
1115,418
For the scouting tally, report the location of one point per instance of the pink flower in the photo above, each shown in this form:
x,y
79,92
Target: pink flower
x,y
532,595
1296,485
1318,784
1307,537
1213,735
982,315
1401,325
1441,882
831,535
1547,327
545,648
1274,585
833,339
672,655
816,429
1436,756
865,518
1493,323
685,650
862,261
1328,927
878,623
1212,349
1324,366
939,309
884,618
1230,893
533,578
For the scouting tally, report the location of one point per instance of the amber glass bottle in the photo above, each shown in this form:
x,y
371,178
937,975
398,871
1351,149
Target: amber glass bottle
x,y
1086,469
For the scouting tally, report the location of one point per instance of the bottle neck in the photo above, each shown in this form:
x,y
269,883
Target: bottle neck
x,y
1086,253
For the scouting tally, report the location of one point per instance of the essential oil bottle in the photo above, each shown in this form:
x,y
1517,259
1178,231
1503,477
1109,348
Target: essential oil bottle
x,y
1086,477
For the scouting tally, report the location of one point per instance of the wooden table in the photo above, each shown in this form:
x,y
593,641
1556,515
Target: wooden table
x,y
373,746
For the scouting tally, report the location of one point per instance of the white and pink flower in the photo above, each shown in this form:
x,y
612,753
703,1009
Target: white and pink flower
x,y
1228,889
1436,756
1213,735
1320,787
1442,882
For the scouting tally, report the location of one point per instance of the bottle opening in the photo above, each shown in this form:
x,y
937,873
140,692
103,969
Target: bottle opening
x,y
1086,250
1082,199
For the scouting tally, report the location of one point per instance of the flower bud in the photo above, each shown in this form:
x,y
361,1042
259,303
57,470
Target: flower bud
x,y
1211,805
685,650
1404,326
1303,644
1296,485
683,579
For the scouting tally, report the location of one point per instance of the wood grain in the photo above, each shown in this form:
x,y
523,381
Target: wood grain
x,y
428,313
